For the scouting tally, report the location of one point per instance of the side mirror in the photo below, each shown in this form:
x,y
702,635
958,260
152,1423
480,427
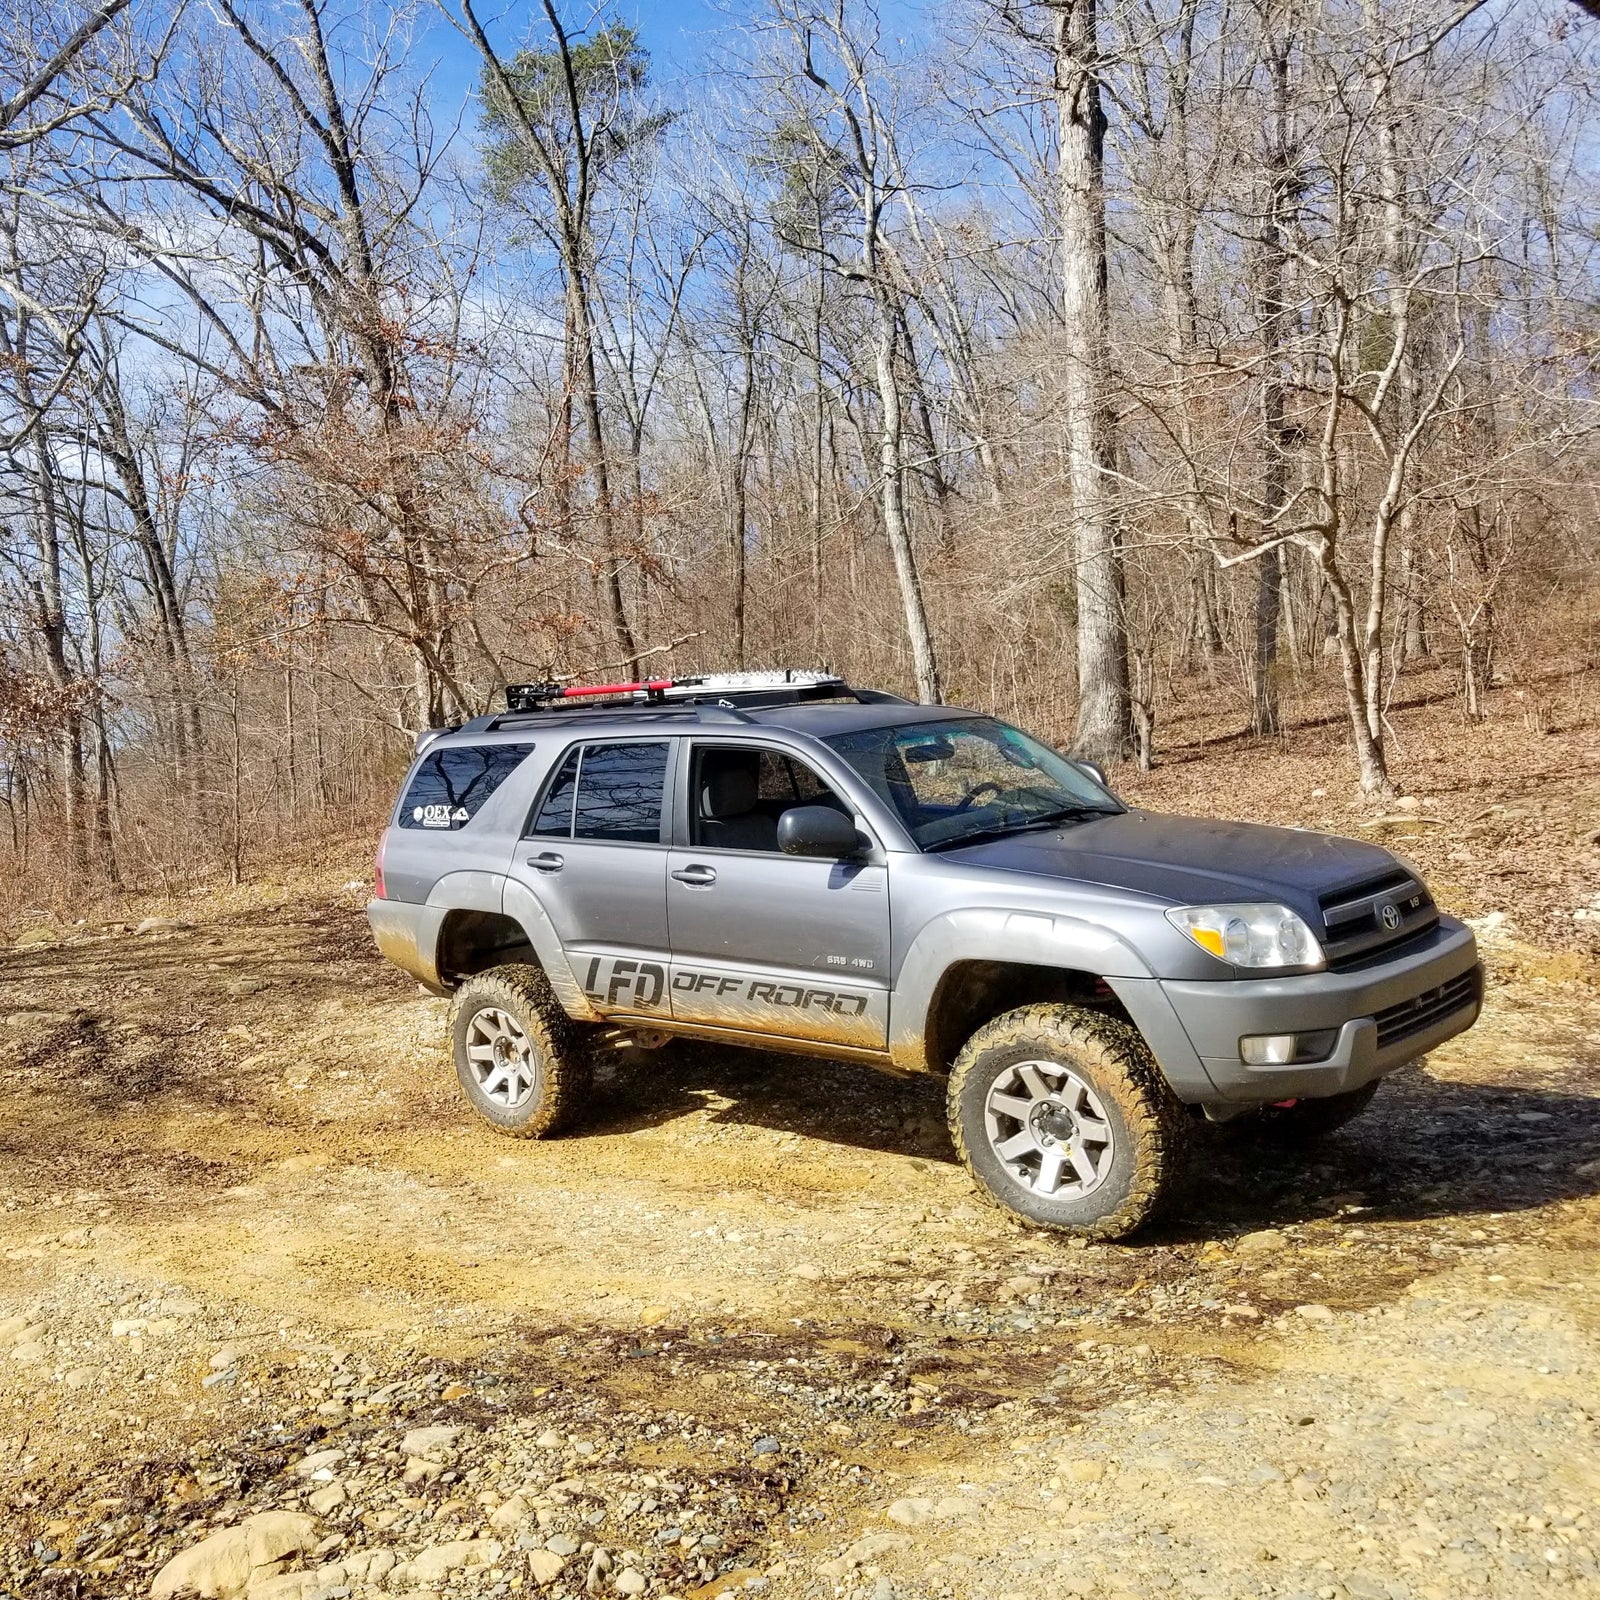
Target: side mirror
x,y
817,831
1094,769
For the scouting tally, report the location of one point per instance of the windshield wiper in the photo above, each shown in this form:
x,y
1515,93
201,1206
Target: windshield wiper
x,y
1045,819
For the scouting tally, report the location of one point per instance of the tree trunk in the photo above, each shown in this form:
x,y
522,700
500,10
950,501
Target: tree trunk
x,y
236,803
1288,618
1477,660
738,533
586,370
1275,436
739,474
931,471
1394,250
1105,721
104,838
1206,615
1176,224
1370,758
819,439
891,462
288,741
1414,644
1264,715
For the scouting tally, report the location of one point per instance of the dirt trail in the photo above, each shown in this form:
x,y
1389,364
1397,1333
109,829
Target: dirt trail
x,y
751,1309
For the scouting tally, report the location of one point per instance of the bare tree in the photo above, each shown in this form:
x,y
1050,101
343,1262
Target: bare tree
x,y
1105,720
562,118
1279,436
840,59
1040,362
324,214
48,87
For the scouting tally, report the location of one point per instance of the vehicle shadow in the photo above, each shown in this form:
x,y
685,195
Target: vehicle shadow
x,y
836,1102
1427,1147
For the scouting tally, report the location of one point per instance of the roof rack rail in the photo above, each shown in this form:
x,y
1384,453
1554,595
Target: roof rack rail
x,y
712,686
727,693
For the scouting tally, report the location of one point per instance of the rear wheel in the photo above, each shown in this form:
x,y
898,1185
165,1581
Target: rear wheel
x,y
518,1056
1062,1115
1306,1121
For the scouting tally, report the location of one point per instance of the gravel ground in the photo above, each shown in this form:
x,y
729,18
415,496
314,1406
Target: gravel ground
x,y
272,1305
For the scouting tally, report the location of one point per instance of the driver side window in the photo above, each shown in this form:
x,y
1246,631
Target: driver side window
x,y
738,792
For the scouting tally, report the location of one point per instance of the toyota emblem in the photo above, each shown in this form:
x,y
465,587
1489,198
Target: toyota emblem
x,y
1390,917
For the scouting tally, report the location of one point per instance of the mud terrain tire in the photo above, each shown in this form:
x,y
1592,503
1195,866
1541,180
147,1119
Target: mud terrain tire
x,y
1306,1121
1072,1095
521,1061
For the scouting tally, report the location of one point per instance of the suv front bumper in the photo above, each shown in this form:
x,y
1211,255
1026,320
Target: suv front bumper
x,y
1383,1015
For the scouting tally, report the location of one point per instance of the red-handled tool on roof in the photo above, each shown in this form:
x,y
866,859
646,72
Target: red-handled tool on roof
x,y
525,697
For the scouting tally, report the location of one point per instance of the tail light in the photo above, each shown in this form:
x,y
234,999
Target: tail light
x,y
377,871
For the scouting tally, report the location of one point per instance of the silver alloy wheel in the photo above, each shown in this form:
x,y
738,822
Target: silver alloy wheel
x,y
1049,1129
501,1057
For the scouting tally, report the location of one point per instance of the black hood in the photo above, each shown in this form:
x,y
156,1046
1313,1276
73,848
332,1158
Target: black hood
x,y
1189,860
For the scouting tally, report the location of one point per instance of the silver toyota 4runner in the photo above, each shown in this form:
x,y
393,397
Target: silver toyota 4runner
x,y
781,860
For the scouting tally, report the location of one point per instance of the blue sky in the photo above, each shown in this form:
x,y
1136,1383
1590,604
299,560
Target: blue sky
x,y
676,32
679,34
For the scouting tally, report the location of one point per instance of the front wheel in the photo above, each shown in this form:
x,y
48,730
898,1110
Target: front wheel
x,y
518,1056
1062,1115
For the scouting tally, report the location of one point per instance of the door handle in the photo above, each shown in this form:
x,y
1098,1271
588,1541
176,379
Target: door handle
x,y
546,861
697,877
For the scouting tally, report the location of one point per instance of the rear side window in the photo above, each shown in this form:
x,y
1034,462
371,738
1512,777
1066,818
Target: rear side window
x,y
606,791
450,787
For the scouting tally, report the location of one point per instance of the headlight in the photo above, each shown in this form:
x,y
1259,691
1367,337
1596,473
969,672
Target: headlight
x,y
1254,935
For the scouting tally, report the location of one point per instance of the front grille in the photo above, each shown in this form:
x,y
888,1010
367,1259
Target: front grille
x,y
1372,915
1413,1016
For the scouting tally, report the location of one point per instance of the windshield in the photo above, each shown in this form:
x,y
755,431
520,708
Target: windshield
x,y
952,782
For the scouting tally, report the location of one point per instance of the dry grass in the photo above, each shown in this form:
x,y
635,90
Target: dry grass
x,y
1508,809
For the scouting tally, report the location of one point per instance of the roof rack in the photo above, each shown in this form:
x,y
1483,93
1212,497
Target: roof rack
x,y
524,697
727,693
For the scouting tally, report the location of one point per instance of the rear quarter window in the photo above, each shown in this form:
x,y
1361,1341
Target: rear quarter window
x,y
450,786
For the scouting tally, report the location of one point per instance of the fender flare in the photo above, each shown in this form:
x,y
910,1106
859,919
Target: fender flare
x,y
495,893
994,933
455,891
467,891
522,905
1039,939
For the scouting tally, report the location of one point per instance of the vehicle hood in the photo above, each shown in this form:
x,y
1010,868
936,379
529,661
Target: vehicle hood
x,y
1188,860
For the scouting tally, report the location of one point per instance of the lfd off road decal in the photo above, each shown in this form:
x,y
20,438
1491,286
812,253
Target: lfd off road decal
x,y
634,985
760,991
619,982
